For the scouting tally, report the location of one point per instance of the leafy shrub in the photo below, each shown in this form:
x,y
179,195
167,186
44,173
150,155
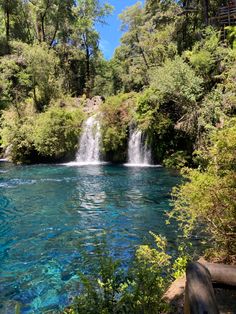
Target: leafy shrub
x,y
56,132
177,160
149,114
16,132
176,81
207,199
151,275
203,61
111,290
206,53
31,136
231,35
116,116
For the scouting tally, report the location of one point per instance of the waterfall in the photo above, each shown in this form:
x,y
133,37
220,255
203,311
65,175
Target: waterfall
x,y
89,144
138,151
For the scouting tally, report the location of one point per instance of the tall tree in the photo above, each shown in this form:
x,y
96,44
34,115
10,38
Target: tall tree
x,y
50,19
88,14
147,41
9,9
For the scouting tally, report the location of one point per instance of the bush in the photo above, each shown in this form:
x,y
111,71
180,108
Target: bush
x,y
206,201
51,135
111,290
16,132
177,160
207,53
177,82
117,113
56,132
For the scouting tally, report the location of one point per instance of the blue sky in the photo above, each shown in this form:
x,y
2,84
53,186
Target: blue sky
x,y
110,34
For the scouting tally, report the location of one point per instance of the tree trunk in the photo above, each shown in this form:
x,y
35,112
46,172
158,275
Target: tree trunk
x,y
7,26
38,27
87,72
43,29
206,11
87,65
142,52
54,35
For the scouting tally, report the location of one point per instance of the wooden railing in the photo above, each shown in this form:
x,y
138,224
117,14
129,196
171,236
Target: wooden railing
x,y
199,293
226,15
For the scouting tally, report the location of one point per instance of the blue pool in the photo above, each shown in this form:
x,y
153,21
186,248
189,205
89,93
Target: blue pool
x,y
50,214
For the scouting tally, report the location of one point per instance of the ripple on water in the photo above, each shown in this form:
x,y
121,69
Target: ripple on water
x,y
53,217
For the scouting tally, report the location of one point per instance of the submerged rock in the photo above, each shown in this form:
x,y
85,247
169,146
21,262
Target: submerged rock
x,y
11,306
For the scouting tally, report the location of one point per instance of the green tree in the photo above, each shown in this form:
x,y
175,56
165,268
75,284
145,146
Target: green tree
x,y
207,201
85,36
56,132
15,82
15,24
17,126
147,42
50,19
43,72
131,53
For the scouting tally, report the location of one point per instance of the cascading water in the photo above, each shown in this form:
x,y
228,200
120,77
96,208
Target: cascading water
x,y
89,145
138,152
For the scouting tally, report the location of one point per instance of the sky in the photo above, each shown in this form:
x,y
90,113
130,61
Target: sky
x,y
110,33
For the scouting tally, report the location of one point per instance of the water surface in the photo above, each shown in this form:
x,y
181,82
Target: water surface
x,y
50,214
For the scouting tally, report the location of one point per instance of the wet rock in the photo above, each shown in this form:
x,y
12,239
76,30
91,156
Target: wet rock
x,y
10,306
65,275
92,105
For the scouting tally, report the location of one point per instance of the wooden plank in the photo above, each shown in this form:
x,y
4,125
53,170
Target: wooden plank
x,y
221,273
226,15
199,293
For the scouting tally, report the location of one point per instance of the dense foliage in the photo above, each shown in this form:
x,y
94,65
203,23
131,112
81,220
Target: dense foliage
x,y
207,200
176,63
173,77
139,290
50,135
117,114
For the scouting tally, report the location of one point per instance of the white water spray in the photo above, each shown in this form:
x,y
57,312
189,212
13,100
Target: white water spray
x,y
138,152
89,145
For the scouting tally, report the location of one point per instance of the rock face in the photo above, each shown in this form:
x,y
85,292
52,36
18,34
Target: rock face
x,y
7,152
92,105
175,295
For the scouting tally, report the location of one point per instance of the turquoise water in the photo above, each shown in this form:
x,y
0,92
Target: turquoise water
x,y
50,214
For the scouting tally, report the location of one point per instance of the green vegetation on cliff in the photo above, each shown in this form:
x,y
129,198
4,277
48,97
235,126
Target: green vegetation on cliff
x,y
207,200
173,77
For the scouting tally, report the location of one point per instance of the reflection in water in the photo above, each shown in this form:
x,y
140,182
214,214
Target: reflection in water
x,y
92,201
51,215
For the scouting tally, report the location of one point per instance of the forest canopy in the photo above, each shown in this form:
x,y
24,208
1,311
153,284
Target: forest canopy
x,y
173,78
